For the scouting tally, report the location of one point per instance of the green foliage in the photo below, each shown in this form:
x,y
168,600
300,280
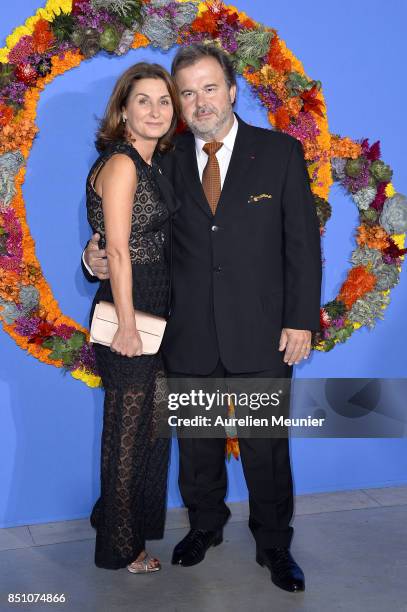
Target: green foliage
x,y
252,46
62,26
65,350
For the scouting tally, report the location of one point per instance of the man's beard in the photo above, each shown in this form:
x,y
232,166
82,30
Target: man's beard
x,y
210,133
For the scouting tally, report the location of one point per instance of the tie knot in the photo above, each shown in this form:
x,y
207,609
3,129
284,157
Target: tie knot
x,y
211,148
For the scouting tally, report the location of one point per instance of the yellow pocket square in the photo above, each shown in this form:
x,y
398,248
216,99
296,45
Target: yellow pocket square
x,y
253,199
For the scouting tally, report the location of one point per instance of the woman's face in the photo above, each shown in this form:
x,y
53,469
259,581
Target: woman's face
x,y
149,109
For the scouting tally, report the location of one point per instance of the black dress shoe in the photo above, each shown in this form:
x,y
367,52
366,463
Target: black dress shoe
x,y
191,550
285,573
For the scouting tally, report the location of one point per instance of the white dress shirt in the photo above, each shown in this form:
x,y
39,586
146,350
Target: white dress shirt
x,y
223,156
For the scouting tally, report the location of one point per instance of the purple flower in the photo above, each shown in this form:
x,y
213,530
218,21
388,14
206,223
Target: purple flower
x,y
227,35
388,259
27,326
268,97
95,19
86,359
305,128
65,46
14,92
338,323
163,11
21,50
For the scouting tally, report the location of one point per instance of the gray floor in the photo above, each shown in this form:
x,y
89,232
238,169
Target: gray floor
x,y
352,546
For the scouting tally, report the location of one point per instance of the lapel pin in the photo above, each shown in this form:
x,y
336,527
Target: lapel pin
x,y
262,196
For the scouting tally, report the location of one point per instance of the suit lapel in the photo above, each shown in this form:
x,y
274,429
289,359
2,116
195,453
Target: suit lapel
x,y
189,168
239,166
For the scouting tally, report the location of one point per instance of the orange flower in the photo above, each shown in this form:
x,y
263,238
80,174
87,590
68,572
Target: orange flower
x,y
282,118
359,282
293,106
6,114
252,77
232,447
140,41
374,237
206,23
43,36
9,289
248,23
276,58
344,147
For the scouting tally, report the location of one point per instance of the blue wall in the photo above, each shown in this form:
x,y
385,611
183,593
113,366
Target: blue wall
x,y
51,424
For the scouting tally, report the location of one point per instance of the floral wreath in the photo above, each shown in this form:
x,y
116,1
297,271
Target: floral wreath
x,y
66,32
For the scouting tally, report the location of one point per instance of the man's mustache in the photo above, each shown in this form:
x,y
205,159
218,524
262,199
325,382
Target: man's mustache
x,y
204,109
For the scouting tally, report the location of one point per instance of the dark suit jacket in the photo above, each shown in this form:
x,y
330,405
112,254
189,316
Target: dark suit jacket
x,y
254,267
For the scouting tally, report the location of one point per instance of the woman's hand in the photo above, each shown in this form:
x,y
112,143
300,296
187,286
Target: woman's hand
x,y
127,343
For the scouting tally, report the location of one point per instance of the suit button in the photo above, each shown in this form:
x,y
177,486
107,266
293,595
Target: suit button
x,y
218,268
214,228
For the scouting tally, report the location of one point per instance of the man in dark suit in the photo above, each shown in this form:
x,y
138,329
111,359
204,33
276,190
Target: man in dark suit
x,y
246,295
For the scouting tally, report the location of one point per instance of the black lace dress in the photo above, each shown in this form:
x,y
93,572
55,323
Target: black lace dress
x,y
134,461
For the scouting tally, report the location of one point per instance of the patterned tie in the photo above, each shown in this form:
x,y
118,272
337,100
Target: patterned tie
x,y
211,175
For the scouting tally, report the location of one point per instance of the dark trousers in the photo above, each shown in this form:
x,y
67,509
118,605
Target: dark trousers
x,y
266,467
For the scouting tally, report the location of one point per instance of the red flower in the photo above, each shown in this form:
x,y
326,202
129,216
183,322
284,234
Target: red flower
x,y
78,6
311,102
370,152
232,19
393,250
324,319
381,196
26,74
45,330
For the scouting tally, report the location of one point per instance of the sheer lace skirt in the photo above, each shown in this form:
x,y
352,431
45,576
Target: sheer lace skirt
x,y
134,460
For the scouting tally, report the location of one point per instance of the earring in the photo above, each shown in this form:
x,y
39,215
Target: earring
x,y
124,119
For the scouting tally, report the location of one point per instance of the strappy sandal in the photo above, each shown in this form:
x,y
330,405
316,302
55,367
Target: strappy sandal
x,y
142,566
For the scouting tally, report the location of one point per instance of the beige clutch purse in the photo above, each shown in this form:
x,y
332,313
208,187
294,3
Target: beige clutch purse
x,y
105,323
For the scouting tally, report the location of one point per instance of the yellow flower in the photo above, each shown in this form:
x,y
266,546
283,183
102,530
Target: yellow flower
x,y
45,14
89,379
18,33
57,6
202,8
399,240
389,191
31,21
4,55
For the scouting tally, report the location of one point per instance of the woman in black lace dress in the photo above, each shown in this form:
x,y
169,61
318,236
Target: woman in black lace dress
x,y
126,208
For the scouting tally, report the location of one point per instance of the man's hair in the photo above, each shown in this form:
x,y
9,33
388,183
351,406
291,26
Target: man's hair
x,y
187,56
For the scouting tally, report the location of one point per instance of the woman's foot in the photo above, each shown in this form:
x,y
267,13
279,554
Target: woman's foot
x,y
144,564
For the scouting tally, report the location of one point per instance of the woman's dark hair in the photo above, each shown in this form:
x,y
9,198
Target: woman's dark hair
x,y
112,128
187,56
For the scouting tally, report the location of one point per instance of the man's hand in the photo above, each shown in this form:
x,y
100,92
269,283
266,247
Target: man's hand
x,y
297,344
96,258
